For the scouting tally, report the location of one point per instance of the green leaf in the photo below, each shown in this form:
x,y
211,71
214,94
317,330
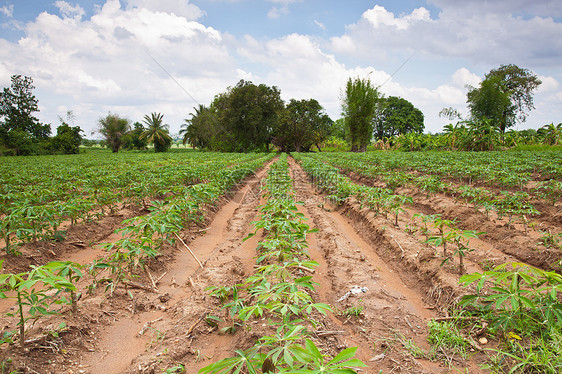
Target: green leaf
x,y
470,278
12,282
313,350
343,355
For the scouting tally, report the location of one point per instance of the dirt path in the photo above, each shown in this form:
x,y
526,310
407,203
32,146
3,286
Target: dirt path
x,y
227,227
347,259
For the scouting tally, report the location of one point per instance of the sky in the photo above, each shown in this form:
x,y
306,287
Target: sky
x,y
136,57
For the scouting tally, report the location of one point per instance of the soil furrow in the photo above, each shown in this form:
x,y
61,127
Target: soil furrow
x,y
392,310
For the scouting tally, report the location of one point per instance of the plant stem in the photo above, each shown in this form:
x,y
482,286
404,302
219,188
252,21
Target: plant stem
x,y
22,321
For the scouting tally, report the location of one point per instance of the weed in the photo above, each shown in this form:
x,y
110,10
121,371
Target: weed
x,y
550,240
157,337
412,348
523,303
179,368
411,229
446,340
354,311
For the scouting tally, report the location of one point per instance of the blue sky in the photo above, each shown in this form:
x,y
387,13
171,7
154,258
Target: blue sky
x,y
100,56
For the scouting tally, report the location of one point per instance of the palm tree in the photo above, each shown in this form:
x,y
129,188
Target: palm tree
x,y
189,128
157,132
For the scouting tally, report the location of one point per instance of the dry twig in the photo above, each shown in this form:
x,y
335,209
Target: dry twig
x,y
139,285
147,325
189,249
192,327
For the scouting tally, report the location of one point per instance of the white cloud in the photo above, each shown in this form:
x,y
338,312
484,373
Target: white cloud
x,y
276,12
379,16
549,84
69,11
7,10
463,77
119,59
104,64
321,25
282,10
180,8
297,64
482,38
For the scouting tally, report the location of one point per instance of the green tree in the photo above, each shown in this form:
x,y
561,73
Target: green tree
x,y
157,132
67,140
396,116
132,139
504,96
113,128
202,129
19,129
249,115
358,109
338,129
303,124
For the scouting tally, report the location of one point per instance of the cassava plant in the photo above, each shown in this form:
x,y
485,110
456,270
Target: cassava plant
x,y
31,290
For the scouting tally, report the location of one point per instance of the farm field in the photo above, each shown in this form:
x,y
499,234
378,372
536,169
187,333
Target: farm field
x,y
252,263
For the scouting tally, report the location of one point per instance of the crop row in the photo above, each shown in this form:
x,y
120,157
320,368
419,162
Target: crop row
x,y
51,179
516,205
37,211
143,236
41,290
382,201
339,187
497,169
514,303
279,290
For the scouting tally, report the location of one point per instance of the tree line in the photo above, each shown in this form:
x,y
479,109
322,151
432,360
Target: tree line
x,y
245,118
249,117
253,118
21,133
503,99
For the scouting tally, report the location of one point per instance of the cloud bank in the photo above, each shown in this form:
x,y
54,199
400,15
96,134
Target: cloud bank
x,y
142,56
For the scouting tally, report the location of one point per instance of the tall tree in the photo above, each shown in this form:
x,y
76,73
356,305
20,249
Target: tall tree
x,y
358,109
504,96
202,129
303,124
113,128
396,116
249,115
19,128
132,139
67,140
157,132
